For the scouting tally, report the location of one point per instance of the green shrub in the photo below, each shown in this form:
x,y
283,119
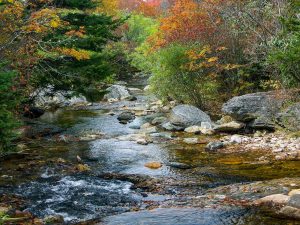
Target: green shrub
x,y
285,56
172,79
8,104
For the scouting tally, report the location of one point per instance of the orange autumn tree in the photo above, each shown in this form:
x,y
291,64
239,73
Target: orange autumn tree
x,y
151,8
188,21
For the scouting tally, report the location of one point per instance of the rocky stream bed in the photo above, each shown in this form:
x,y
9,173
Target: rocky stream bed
x,y
111,163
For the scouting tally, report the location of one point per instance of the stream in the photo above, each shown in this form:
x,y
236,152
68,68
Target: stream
x,y
49,187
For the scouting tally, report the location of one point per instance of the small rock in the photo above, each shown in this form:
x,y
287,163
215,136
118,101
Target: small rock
x,y
54,219
294,192
82,167
230,127
236,139
126,116
153,165
192,141
158,120
142,142
290,212
193,129
213,146
145,125
3,210
178,165
147,88
170,127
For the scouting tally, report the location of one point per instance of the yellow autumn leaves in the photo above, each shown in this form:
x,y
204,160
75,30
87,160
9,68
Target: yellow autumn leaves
x,y
77,54
206,58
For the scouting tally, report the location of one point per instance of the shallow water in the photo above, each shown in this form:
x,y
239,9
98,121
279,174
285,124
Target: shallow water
x,y
49,189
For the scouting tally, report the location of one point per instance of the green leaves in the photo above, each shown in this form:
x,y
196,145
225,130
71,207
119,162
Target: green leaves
x,y
8,103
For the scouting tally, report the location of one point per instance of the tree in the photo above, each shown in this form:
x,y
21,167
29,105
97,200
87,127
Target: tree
x,y
8,105
285,56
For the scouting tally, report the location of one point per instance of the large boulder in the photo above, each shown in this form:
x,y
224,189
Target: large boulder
x,y
290,118
252,106
117,92
188,115
48,98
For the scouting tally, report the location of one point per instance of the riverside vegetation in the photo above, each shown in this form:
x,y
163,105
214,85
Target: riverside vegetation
x,y
177,108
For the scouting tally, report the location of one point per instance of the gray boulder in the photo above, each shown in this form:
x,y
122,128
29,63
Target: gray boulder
x,y
294,201
290,118
48,98
188,115
126,116
117,92
252,106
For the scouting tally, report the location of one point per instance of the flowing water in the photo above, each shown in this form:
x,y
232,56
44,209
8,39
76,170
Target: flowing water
x,y
49,188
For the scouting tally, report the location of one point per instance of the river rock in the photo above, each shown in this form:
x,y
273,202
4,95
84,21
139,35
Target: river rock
x,y
294,192
126,116
153,165
193,129
290,212
252,106
290,118
191,141
236,139
213,146
116,92
142,141
48,98
54,219
188,115
178,165
158,120
171,127
229,127
276,199
294,201
262,123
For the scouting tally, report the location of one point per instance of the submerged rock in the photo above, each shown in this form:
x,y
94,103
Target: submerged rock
x,y
178,165
213,146
126,116
188,115
153,165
